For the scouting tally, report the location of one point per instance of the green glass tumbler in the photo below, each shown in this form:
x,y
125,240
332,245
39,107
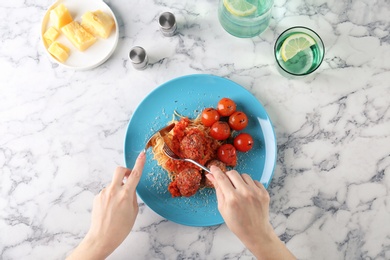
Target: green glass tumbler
x,y
299,51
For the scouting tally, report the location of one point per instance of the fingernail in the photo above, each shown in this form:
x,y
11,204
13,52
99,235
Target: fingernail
x,y
210,177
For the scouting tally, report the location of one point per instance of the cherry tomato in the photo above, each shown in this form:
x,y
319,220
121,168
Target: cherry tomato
x,y
238,120
226,107
209,116
220,130
227,154
243,142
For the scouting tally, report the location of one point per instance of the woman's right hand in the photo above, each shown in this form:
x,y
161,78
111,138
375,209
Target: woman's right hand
x,y
244,205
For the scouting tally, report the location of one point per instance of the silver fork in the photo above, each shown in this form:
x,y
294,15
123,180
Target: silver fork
x,y
174,156
163,131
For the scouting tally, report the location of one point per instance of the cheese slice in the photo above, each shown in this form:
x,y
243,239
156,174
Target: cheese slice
x,y
50,35
78,36
59,51
60,16
98,23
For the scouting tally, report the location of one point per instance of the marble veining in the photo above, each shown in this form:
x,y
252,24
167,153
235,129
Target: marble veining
x,y
62,131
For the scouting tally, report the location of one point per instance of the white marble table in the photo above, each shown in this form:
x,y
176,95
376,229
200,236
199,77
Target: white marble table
x,y
62,131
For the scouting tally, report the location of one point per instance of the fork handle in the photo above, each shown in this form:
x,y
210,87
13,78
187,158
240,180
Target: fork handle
x,y
198,164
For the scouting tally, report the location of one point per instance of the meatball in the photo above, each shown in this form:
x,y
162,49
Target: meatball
x,y
188,181
192,147
220,165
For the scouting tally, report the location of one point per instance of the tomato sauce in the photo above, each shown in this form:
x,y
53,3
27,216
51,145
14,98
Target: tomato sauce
x,y
193,143
173,189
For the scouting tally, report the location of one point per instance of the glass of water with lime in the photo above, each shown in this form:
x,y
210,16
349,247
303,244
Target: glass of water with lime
x,y
245,18
299,51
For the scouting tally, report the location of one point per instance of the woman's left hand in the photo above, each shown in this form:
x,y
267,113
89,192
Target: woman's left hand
x,y
114,212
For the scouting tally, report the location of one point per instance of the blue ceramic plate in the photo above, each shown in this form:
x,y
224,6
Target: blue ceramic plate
x,y
189,95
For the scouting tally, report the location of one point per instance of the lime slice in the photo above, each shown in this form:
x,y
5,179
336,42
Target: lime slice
x,y
294,44
239,7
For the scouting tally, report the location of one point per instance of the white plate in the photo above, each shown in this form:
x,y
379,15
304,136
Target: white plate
x,y
95,55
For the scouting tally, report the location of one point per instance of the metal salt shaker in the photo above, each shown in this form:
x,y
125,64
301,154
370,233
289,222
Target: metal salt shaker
x,y
138,57
168,24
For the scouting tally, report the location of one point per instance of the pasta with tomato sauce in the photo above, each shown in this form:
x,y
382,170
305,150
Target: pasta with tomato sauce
x,y
188,139
208,139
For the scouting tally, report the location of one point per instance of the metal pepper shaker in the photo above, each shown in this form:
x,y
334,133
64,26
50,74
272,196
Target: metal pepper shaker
x,y
168,24
138,57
